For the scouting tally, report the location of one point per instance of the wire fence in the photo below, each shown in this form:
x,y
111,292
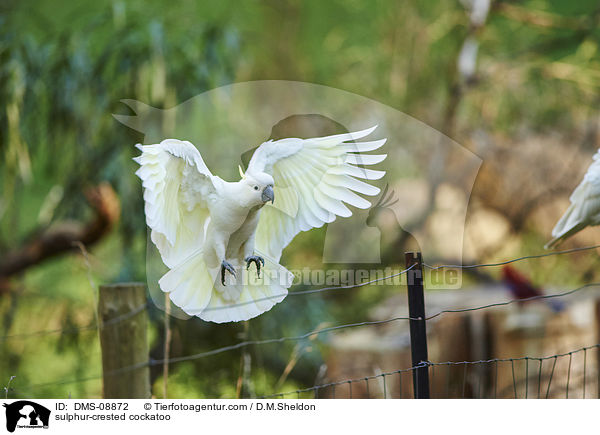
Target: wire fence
x,y
493,378
536,383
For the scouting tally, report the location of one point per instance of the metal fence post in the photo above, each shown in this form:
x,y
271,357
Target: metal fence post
x,y
418,333
123,321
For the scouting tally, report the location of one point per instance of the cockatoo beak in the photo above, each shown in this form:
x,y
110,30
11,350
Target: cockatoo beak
x,y
268,195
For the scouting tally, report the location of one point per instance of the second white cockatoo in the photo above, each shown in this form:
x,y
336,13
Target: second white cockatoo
x,y
210,231
585,206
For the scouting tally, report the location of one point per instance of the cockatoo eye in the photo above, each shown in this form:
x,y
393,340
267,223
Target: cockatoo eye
x,y
255,187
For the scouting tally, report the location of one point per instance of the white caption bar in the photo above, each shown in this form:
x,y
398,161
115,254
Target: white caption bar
x,y
292,416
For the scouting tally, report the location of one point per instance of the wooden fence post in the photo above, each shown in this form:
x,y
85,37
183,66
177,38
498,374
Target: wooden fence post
x,y
418,333
123,317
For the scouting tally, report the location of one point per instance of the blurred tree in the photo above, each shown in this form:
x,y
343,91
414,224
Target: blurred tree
x,y
63,70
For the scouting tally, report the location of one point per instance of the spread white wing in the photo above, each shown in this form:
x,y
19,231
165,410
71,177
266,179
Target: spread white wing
x,y
313,180
585,206
176,185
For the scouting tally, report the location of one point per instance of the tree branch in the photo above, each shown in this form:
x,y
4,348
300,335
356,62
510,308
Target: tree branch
x,y
64,236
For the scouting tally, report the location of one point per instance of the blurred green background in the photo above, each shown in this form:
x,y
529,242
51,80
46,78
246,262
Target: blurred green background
x,y
64,66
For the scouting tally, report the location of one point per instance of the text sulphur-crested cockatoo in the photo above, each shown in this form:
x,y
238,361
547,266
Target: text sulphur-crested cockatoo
x,y
585,206
210,231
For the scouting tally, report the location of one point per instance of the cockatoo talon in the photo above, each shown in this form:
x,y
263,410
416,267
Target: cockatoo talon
x,y
256,260
225,266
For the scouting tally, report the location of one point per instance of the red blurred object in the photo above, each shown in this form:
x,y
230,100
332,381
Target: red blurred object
x,y
521,286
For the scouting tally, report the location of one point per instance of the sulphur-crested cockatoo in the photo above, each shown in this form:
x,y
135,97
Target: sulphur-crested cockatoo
x,y
585,206
210,231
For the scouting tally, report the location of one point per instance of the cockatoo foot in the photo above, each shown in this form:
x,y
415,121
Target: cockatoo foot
x,y
225,266
256,260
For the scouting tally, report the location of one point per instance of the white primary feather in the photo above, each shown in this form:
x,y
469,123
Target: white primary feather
x,y
585,206
317,176
176,184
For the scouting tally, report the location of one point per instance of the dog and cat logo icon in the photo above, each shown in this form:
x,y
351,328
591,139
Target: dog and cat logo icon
x,y
25,414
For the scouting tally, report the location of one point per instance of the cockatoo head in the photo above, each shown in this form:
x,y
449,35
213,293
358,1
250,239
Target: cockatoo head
x,y
259,186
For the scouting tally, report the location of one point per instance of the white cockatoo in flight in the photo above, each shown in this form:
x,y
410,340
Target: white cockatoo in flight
x,y
210,231
585,206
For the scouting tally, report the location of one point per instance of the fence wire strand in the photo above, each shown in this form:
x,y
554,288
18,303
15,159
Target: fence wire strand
x,y
76,330
514,260
512,301
313,291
